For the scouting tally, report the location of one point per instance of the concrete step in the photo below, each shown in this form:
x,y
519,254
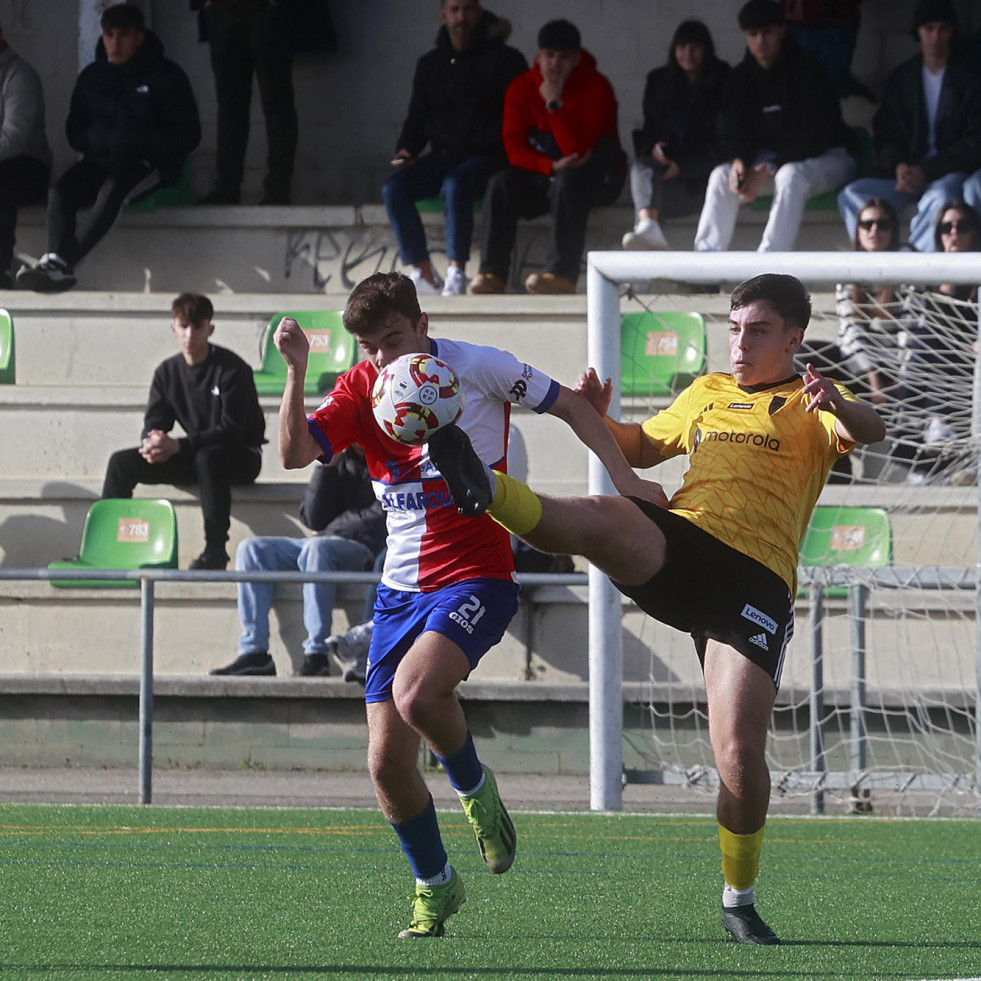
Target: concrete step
x,y
309,249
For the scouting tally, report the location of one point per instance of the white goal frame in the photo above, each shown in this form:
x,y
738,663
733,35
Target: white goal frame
x,y
606,272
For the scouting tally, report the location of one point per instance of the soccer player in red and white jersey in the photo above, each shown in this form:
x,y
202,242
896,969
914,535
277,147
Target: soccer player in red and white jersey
x,y
447,592
719,560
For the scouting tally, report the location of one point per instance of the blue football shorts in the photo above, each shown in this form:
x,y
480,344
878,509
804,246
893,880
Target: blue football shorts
x,y
473,614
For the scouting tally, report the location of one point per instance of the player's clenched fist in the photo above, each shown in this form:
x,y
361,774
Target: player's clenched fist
x,y
291,342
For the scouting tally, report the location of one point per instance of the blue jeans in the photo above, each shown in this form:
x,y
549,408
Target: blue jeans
x,y
318,554
457,182
928,204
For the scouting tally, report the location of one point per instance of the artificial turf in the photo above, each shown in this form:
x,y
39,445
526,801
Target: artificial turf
x,y
128,892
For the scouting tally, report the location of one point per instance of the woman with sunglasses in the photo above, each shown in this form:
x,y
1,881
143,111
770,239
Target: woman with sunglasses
x,y
938,372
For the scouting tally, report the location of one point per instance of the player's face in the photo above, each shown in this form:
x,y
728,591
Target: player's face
x,y
764,43
121,43
193,338
399,336
761,348
460,18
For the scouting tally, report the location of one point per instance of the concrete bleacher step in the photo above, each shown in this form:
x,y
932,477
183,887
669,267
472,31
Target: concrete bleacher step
x,y
310,249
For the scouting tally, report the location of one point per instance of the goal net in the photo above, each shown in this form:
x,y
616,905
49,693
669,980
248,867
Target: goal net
x,y
878,705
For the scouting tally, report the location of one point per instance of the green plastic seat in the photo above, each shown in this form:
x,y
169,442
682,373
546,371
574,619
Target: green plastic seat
x,y
434,205
332,351
123,533
839,535
8,371
660,353
181,192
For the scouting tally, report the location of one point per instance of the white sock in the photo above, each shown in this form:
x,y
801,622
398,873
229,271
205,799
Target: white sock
x,y
440,879
737,897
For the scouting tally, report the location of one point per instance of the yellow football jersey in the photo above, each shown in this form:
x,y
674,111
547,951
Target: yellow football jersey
x,y
758,463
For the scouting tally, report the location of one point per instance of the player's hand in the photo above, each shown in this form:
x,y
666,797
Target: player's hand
x,y
292,343
647,490
158,446
824,395
595,392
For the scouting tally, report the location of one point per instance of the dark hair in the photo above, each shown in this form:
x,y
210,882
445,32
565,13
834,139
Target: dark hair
x,y
760,13
967,212
194,308
786,294
885,293
378,300
692,32
559,35
928,11
123,16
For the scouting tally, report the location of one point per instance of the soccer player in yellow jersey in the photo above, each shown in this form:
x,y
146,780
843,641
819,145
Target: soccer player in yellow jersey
x,y
718,560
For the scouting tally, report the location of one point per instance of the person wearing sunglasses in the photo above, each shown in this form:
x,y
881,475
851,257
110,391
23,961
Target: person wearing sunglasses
x,y
927,130
938,372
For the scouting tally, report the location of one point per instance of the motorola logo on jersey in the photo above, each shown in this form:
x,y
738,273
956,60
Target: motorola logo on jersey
x,y
760,440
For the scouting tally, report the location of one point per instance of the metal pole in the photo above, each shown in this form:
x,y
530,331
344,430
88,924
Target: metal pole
x,y
146,690
605,642
817,694
858,595
976,451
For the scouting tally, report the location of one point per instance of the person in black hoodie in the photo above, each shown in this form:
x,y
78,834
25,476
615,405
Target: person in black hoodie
x,y
782,124
679,144
456,106
133,118
210,393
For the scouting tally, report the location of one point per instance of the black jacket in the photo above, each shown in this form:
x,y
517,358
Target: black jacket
x,y
686,120
900,127
339,500
141,110
790,109
215,402
458,97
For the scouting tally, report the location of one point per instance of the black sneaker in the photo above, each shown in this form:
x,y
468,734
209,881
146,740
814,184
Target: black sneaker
x,y
453,453
315,666
219,195
746,926
258,662
210,560
51,275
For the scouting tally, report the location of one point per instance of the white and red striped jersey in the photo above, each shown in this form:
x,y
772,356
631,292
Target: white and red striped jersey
x,y
429,543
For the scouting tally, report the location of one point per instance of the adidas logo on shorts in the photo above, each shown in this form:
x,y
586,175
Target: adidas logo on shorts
x,y
760,641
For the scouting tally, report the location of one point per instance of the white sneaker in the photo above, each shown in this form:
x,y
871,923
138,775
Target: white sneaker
x,y
423,286
937,431
456,282
350,650
646,235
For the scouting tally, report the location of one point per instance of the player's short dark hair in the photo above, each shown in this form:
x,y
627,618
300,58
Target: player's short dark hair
x,y
760,13
786,294
122,17
192,308
379,299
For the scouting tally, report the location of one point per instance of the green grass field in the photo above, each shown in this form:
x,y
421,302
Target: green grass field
x,y
127,892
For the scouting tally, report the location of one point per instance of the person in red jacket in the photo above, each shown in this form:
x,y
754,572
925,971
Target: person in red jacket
x,y
560,136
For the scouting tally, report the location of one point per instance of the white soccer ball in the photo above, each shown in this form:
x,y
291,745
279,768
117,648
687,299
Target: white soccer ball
x,y
414,396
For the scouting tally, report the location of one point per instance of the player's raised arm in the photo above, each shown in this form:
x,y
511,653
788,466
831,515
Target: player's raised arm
x,y
297,446
593,432
856,422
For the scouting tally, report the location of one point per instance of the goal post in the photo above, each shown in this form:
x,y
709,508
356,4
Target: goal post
x,y
941,620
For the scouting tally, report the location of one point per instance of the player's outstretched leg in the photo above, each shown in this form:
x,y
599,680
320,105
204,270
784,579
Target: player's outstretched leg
x,y
466,476
433,905
491,824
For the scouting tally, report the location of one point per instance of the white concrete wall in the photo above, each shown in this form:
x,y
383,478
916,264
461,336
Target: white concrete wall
x,y
352,101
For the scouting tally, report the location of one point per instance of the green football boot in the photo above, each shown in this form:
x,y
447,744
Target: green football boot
x,y
491,824
433,905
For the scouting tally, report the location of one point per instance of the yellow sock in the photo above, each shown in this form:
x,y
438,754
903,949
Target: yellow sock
x,y
740,857
515,505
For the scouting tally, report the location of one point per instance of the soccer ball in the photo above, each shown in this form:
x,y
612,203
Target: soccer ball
x,y
414,396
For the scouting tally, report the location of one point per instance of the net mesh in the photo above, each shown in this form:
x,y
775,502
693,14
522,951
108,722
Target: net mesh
x,y
897,731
